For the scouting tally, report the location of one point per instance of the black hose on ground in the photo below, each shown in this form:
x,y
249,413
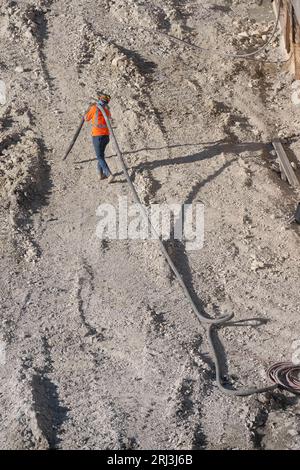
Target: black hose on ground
x,y
74,138
211,323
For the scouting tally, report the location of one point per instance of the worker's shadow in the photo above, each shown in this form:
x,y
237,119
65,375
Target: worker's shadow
x,y
210,150
151,149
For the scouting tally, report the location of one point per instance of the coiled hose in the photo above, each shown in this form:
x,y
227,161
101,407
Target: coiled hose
x,y
287,375
212,324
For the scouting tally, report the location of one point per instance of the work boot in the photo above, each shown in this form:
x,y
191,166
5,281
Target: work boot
x,y
111,178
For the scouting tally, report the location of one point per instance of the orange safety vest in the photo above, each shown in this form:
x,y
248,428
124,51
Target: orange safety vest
x,y
99,126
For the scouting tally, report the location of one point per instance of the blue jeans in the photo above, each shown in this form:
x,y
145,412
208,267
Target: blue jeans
x,y
100,142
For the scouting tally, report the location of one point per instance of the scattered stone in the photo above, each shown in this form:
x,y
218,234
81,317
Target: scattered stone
x,y
256,265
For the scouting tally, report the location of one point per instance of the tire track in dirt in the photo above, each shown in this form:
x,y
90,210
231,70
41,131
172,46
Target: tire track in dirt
x,y
85,290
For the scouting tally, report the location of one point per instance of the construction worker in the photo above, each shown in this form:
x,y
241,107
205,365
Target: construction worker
x,y
100,135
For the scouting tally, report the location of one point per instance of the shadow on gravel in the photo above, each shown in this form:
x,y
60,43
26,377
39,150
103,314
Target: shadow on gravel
x,y
223,362
211,149
41,34
177,252
50,414
38,194
200,184
9,140
35,196
145,67
275,401
208,152
152,149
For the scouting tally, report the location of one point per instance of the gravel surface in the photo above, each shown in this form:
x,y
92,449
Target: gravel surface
x,y
99,348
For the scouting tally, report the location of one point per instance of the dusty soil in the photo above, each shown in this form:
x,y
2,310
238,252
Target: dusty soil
x,y
99,347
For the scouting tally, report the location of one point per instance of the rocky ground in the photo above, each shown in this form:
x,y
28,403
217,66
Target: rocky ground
x,y
99,348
